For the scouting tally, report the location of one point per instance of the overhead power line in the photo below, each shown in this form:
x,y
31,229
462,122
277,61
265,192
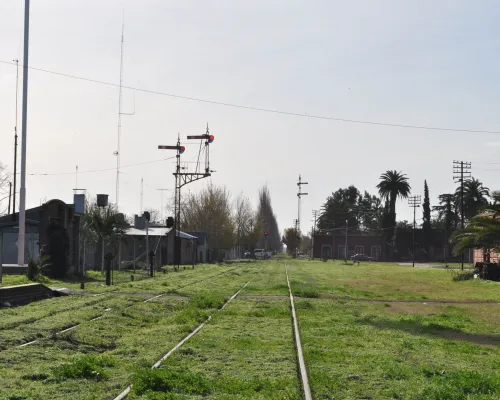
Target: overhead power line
x,y
267,110
101,170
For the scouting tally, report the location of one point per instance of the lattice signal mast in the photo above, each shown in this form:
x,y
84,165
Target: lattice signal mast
x,y
184,178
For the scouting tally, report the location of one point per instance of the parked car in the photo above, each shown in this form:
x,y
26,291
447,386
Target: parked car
x,y
361,257
247,254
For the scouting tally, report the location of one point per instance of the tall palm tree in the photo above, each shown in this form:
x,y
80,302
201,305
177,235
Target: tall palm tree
x,y
393,185
475,197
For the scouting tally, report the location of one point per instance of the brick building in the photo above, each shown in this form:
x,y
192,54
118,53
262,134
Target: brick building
x,y
332,246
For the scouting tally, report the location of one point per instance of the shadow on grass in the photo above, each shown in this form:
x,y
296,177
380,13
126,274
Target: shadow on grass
x,y
418,327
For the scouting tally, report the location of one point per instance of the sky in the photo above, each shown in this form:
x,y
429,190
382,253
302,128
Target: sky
x,y
422,63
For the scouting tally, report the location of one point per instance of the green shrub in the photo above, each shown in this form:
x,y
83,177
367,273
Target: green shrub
x,y
38,268
90,366
149,381
305,290
204,301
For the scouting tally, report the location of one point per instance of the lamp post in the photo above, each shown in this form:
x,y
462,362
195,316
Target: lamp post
x,y
102,202
345,248
22,191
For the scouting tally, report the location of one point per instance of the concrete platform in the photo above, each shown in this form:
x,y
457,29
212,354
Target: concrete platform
x,y
23,294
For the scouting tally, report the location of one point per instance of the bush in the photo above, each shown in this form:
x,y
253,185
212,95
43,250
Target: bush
x,y
162,380
89,366
458,276
207,301
488,271
37,268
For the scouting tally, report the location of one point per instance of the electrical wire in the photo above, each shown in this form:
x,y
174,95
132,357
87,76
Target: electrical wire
x,y
267,110
100,170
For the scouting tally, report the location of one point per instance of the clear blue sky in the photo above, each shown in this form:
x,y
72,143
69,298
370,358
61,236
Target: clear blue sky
x,y
418,63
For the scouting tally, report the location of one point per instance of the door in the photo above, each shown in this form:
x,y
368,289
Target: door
x,y
326,252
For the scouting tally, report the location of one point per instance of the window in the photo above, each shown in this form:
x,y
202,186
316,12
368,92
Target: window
x,y
359,250
376,252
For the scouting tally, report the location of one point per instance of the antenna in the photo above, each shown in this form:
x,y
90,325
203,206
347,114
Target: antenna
x,y
161,209
117,152
142,191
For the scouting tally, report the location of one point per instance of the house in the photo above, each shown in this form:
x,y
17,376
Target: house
x,y
482,255
332,245
203,254
160,240
40,223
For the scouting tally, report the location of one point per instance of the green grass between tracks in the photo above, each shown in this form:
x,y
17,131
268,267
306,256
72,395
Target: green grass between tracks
x,y
401,346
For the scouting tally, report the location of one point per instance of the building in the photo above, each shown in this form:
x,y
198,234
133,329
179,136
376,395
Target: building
x,y
40,223
373,244
203,254
332,246
482,255
160,240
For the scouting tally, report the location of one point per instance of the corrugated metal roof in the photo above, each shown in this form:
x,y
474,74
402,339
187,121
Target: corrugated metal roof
x,y
155,231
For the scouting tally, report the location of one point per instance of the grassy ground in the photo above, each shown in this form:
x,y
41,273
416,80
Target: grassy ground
x,y
388,281
373,331
394,349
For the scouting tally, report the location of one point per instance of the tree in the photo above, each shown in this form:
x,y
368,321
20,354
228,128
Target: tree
x,y
392,185
447,211
266,216
404,224
105,225
292,239
5,177
337,207
482,231
243,220
306,243
426,226
371,211
210,211
475,197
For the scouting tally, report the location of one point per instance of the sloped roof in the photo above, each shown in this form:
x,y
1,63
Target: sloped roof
x,y
202,237
155,232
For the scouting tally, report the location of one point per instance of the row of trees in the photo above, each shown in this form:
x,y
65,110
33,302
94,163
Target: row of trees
x,y
231,222
364,211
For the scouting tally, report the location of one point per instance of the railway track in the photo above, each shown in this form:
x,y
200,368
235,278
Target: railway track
x,y
126,392
298,344
74,326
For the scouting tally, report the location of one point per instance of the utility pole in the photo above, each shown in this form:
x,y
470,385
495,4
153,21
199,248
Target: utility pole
x,y
10,196
414,201
142,192
346,229
461,171
296,225
15,142
299,195
22,191
315,215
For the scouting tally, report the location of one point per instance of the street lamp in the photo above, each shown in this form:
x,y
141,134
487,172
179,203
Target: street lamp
x,y
345,248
